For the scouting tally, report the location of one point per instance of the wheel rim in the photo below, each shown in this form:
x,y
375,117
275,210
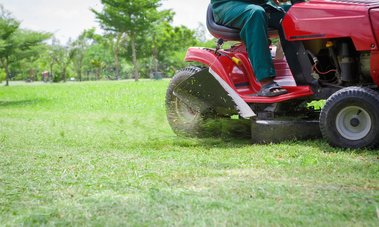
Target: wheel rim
x,y
353,123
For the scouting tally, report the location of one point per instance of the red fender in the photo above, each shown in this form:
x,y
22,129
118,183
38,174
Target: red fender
x,y
221,68
209,58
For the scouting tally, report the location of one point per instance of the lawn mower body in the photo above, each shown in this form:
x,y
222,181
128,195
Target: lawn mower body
x,y
357,20
337,58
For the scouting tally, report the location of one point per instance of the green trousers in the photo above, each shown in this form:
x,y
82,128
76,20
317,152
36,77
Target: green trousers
x,y
253,21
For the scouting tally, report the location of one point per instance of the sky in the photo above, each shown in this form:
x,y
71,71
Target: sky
x,y
68,18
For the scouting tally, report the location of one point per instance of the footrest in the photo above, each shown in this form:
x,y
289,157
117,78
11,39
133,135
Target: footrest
x,y
293,93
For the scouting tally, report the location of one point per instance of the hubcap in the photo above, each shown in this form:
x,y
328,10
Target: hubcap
x,y
353,123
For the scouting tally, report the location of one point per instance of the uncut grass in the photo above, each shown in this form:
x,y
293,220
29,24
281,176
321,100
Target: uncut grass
x,y
102,153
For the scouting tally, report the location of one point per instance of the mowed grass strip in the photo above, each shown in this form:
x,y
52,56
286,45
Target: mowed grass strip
x,y
102,153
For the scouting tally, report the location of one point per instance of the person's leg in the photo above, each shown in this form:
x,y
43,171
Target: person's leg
x,y
252,21
274,16
300,66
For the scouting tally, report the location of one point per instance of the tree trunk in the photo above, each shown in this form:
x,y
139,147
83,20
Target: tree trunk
x,y
98,73
32,75
80,75
116,50
51,74
155,59
117,66
64,74
79,69
134,56
155,56
7,73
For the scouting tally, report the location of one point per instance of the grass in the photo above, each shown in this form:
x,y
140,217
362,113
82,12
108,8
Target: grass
x,y
102,153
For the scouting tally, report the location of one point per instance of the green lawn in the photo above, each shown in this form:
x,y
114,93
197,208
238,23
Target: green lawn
x,y
102,153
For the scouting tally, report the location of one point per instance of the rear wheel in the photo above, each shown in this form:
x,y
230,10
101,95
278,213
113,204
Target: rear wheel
x,y
184,118
350,118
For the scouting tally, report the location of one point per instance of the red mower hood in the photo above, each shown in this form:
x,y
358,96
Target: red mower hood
x,y
324,19
348,2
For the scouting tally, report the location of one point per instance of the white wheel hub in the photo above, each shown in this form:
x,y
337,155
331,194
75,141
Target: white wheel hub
x,y
353,123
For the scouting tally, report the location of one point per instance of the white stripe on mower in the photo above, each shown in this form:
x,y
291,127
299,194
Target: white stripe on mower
x,y
243,108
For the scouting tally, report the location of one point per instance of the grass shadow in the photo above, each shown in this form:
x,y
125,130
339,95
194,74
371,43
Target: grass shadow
x,y
229,133
21,103
222,133
325,147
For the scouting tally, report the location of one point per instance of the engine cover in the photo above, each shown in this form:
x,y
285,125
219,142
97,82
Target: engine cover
x,y
325,19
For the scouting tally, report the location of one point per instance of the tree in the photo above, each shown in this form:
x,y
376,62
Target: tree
x,y
173,50
15,43
116,43
116,47
201,32
132,18
166,45
62,56
31,67
79,50
99,55
8,26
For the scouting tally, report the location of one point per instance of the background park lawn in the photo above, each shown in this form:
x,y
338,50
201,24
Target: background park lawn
x,y
102,153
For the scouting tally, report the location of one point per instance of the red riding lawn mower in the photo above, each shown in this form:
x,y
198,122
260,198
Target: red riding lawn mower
x,y
336,49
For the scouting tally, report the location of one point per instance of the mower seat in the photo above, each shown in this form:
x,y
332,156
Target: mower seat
x,y
227,33
221,31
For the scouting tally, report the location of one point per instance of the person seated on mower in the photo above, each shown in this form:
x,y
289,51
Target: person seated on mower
x,y
253,17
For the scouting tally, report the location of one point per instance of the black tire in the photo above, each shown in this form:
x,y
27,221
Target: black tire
x,y
183,118
350,118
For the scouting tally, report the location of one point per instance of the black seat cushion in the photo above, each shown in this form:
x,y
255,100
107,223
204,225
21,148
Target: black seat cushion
x,y
228,33
221,31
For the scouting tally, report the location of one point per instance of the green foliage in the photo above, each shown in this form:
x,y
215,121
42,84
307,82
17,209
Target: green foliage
x,y
8,27
132,18
61,57
17,44
317,105
98,56
103,154
79,48
140,40
128,16
165,47
212,43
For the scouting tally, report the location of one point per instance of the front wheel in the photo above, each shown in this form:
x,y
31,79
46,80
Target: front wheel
x,y
184,118
350,118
